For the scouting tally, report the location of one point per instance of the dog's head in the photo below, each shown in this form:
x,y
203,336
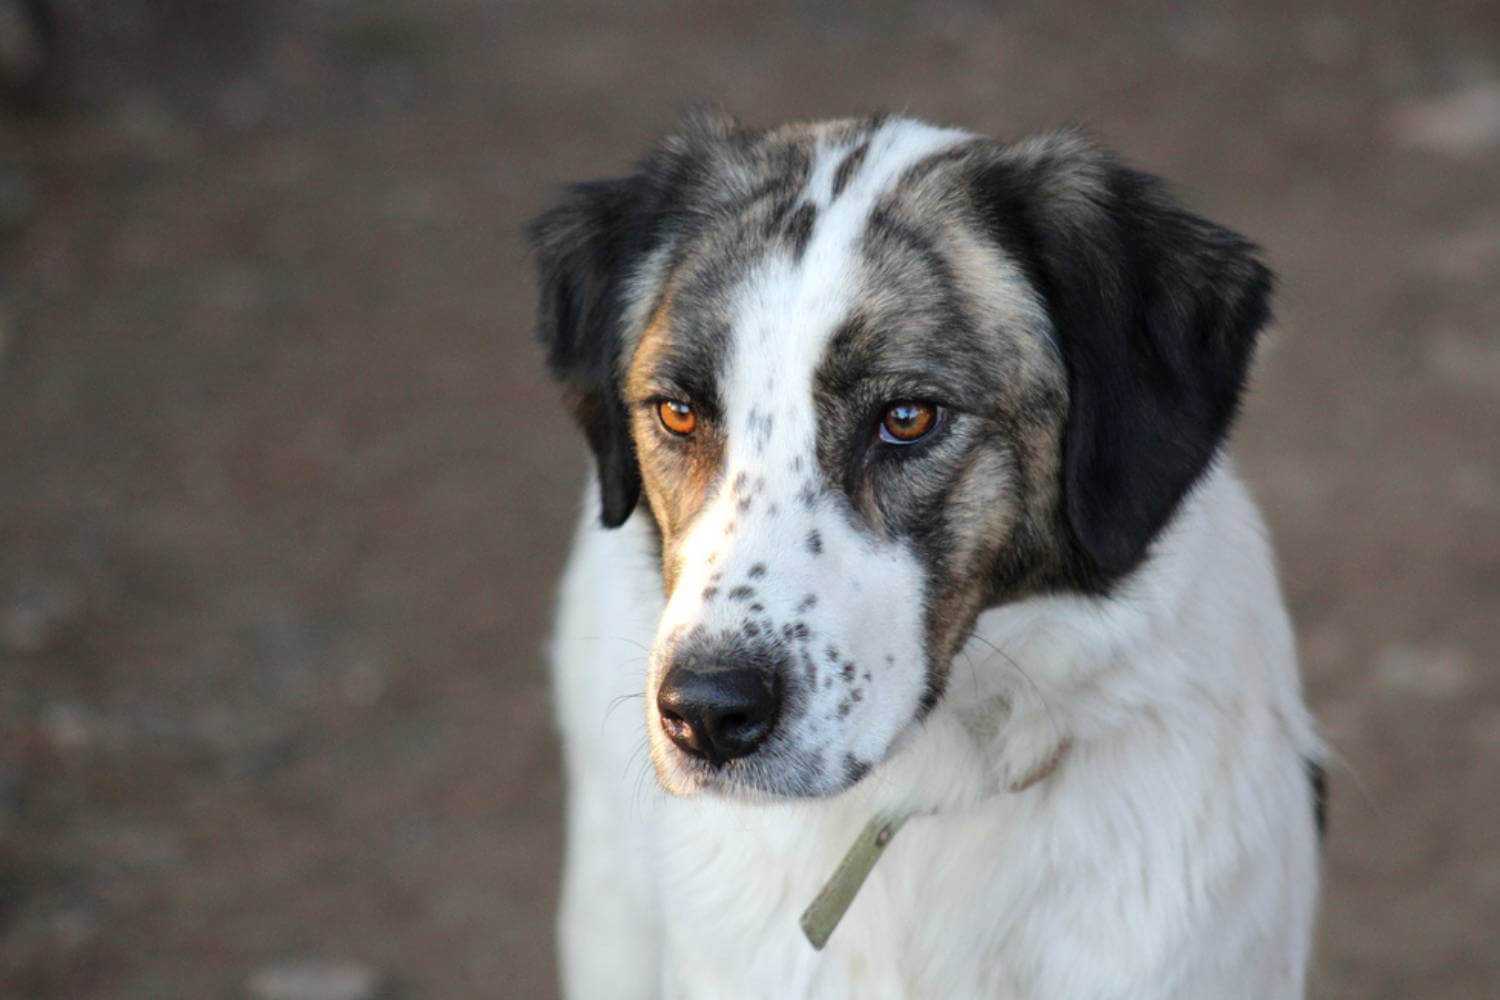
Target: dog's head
x,y
865,379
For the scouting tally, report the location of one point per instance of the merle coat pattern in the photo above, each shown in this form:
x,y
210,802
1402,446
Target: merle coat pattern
x,y
1049,622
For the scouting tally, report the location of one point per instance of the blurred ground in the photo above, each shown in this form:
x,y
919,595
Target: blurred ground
x,y
283,493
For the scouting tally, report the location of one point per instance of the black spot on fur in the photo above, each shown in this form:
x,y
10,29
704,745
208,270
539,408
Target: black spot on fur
x,y
757,607
709,593
815,543
807,604
756,571
845,707
752,629
775,221
799,229
801,632
832,653
854,768
848,671
741,593
848,166
819,758
759,426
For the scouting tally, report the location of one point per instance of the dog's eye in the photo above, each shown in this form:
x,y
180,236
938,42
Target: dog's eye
x,y
907,422
677,416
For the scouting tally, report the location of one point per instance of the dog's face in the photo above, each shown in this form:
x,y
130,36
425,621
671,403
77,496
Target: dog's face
x,y
867,379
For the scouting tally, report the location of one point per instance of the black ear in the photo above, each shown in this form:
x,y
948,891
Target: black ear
x,y
1155,312
588,250
584,248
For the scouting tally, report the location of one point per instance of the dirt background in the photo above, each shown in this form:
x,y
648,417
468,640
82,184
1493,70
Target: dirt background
x,y
284,494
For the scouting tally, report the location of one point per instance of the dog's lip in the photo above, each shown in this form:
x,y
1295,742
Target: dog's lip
x,y
691,776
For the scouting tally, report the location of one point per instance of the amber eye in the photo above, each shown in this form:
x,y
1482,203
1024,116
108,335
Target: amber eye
x,y
907,421
677,416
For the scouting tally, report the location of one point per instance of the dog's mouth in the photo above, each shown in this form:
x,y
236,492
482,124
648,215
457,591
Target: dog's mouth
x,y
778,772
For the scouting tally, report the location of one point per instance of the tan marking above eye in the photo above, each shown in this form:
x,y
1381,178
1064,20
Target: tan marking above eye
x,y
907,421
677,416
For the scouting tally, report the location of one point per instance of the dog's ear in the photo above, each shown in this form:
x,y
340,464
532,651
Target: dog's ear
x,y
588,250
1155,312
583,249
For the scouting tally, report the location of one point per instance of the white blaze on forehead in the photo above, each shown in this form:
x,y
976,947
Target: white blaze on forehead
x,y
894,148
787,310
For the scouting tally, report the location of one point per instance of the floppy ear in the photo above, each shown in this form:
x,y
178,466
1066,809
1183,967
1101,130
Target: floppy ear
x,y
587,249
1155,311
584,248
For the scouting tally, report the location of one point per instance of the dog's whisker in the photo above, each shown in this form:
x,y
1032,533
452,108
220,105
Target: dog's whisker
x,y
619,700
639,761
973,672
607,638
1035,687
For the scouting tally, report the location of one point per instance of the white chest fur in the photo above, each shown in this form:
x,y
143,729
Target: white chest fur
x,y
1171,855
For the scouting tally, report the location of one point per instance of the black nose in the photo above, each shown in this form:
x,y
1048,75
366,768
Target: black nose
x,y
719,714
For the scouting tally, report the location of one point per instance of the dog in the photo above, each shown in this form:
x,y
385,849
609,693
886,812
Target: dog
x,y
909,499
